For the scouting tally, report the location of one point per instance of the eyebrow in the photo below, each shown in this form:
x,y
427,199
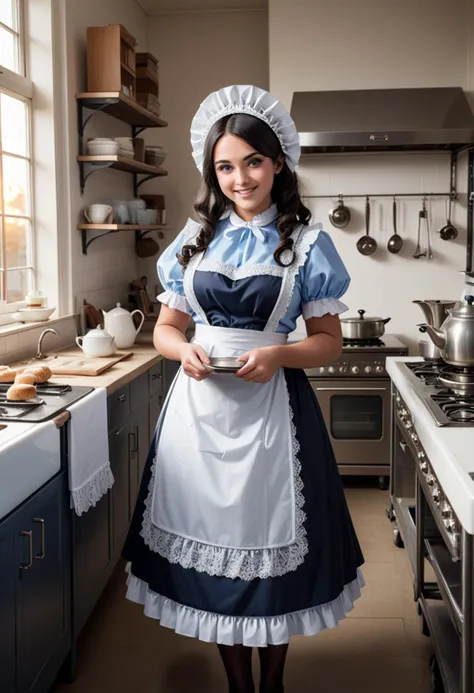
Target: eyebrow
x,y
246,158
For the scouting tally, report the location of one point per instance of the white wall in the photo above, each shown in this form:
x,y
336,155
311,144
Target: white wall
x,y
198,53
103,275
315,45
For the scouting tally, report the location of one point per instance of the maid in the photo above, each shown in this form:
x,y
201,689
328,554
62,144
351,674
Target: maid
x,y
241,535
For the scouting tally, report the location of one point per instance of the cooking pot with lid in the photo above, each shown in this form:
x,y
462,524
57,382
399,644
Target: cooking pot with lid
x,y
362,328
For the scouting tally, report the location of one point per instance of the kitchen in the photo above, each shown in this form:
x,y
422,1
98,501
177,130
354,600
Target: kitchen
x,y
286,48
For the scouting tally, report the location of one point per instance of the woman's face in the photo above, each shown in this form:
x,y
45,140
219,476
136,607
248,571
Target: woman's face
x,y
245,176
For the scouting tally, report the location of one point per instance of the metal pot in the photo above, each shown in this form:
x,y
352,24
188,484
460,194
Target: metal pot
x,y
362,327
340,216
455,338
429,351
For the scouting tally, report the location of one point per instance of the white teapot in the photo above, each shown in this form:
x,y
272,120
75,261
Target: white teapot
x,y
119,323
97,342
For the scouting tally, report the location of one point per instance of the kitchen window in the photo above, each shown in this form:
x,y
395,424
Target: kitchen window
x,y
17,270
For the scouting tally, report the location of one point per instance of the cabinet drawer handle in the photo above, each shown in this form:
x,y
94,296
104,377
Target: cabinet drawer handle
x,y
156,376
133,449
40,555
27,566
122,398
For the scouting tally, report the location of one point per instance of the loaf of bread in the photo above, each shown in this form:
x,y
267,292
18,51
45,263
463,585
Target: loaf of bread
x,y
42,373
21,392
26,379
7,375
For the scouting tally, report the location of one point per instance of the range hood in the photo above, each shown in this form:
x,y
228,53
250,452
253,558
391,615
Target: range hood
x,y
383,120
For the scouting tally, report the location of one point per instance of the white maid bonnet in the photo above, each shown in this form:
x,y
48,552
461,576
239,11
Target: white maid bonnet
x,y
245,99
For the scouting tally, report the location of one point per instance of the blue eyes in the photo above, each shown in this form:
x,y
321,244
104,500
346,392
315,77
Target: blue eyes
x,y
226,168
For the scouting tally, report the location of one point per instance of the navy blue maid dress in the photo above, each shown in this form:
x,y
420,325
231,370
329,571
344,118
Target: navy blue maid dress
x,y
241,533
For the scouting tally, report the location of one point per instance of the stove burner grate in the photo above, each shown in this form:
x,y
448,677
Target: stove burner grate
x,y
363,342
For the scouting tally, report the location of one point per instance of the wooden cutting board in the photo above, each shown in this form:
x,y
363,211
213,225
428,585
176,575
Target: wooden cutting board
x,y
74,364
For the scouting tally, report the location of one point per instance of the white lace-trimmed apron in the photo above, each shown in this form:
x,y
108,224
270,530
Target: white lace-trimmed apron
x,y
226,478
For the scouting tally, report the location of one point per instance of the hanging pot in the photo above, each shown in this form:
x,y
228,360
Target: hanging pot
x,y
340,216
362,328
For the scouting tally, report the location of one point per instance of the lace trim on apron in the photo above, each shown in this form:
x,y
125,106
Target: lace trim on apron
x,y
303,238
236,273
232,563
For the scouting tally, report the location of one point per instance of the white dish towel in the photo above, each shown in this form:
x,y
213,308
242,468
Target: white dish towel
x,y
90,475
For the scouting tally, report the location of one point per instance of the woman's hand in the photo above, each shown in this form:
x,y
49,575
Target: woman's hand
x,y
260,364
192,357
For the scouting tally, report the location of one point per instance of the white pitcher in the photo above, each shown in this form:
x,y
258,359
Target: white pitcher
x,y
119,323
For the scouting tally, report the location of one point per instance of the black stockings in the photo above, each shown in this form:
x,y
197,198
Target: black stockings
x,y
272,664
238,667
237,661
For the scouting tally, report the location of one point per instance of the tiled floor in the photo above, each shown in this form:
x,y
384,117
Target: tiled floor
x,y
377,649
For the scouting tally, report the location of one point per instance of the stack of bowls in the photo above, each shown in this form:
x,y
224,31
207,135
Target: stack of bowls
x,y
125,147
102,146
154,155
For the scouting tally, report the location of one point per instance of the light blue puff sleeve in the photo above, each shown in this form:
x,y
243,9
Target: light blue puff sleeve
x,y
170,272
325,279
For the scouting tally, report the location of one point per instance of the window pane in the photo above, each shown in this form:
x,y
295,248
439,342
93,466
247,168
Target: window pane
x,y
16,188
14,119
19,283
7,15
8,50
16,241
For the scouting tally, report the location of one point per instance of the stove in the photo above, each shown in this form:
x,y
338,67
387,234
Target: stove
x,y
363,358
447,393
354,394
51,399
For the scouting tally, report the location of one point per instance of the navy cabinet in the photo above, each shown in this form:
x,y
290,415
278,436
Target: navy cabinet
x,y
8,578
35,591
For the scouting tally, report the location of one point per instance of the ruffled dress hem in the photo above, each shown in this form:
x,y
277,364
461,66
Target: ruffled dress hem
x,y
255,631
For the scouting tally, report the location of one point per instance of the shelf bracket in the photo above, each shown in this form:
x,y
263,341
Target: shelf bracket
x,y
86,168
86,242
137,183
137,130
85,113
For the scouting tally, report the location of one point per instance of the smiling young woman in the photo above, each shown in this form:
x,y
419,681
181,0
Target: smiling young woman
x,y
241,535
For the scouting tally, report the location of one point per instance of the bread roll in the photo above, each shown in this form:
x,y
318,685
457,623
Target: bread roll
x,y
8,375
42,373
21,392
26,379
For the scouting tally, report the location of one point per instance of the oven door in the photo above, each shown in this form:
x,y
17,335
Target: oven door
x,y
358,418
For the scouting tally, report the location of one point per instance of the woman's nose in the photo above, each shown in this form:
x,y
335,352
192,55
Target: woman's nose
x,y
241,177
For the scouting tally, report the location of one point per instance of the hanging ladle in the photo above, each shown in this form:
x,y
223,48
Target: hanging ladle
x,y
367,245
395,242
448,232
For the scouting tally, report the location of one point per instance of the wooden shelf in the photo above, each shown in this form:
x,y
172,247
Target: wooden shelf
x,y
121,107
128,69
101,230
121,163
121,227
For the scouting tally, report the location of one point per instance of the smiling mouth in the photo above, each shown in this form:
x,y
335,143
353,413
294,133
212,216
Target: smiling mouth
x,y
245,191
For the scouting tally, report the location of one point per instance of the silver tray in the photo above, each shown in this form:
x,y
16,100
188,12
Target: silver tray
x,y
223,364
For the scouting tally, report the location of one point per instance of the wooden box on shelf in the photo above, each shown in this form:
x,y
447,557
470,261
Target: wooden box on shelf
x,y
147,84
111,60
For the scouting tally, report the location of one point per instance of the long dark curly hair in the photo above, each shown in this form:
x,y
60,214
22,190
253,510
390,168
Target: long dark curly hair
x,y
211,203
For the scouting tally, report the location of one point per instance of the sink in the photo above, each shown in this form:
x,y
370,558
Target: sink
x,y
30,455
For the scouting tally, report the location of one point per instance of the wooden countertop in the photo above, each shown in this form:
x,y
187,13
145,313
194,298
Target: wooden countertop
x,y
144,357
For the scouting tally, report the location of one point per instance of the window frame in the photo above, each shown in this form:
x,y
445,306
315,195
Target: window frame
x,y
21,87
